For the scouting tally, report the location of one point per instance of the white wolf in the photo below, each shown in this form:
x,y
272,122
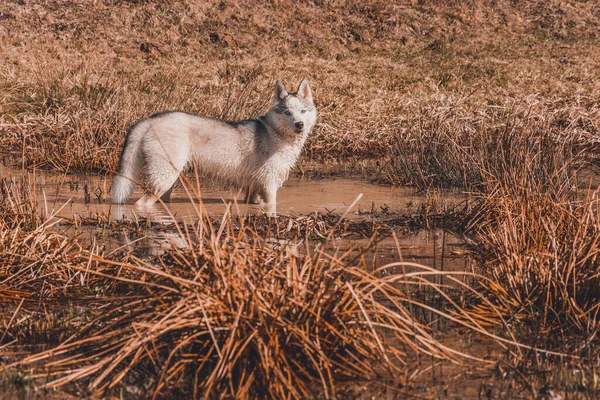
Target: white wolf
x,y
256,155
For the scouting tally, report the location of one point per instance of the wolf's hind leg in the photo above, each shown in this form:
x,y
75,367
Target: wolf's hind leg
x,y
163,166
150,198
162,190
159,187
146,200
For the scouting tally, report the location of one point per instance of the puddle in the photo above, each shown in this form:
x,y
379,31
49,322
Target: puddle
x,y
435,248
68,195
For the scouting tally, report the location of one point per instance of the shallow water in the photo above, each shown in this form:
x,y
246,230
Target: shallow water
x,y
69,196
433,248
84,195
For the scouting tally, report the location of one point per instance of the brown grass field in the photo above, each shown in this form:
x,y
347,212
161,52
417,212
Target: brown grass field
x,y
499,99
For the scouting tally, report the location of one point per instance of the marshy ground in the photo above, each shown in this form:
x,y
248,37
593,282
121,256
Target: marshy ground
x,y
469,268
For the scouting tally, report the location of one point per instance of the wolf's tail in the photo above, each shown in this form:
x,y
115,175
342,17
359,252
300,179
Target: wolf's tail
x,y
130,165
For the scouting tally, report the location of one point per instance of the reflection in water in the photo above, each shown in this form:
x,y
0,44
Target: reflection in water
x,y
155,245
434,248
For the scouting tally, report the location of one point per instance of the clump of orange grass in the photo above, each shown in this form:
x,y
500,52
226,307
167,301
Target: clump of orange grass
x,y
538,236
45,282
18,205
231,313
543,257
33,258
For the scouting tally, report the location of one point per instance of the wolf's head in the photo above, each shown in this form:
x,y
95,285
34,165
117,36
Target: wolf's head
x,y
293,113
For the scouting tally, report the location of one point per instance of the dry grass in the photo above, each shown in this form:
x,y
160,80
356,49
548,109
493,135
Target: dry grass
x,y
73,81
537,238
237,313
253,323
535,222
453,144
540,245
18,205
496,97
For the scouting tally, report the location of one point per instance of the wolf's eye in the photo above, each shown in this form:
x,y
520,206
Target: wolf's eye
x,y
287,113
303,111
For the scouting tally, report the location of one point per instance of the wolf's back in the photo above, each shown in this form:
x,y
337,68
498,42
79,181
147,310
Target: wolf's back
x,y
130,164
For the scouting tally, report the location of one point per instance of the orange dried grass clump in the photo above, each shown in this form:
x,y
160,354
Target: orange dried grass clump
x,y
232,313
236,315
543,256
538,234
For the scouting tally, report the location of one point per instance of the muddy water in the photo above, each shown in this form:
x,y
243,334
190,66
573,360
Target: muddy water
x,y
434,248
68,195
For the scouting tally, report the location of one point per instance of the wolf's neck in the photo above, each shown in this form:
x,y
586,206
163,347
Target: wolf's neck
x,y
264,123
269,125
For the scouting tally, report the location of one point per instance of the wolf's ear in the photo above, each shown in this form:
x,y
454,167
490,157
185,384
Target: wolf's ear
x,y
304,90
280,92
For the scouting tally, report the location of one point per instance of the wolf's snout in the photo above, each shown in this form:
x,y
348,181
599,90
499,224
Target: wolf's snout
x,y
299,125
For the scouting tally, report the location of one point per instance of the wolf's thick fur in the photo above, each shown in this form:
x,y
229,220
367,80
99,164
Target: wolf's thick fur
x,y
254,154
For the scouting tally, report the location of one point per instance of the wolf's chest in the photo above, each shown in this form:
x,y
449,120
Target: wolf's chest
x,y
276,167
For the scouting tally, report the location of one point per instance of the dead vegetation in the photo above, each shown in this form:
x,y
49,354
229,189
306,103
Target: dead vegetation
x,y
231,313
72,82
452,144
540,244
498,98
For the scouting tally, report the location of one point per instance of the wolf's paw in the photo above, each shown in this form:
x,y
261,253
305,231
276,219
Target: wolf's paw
x,y
146,200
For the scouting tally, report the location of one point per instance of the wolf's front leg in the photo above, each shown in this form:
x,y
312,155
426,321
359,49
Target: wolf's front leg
x,y
270,198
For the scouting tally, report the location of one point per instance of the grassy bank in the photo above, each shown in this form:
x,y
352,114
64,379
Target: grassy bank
x,y
74,77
